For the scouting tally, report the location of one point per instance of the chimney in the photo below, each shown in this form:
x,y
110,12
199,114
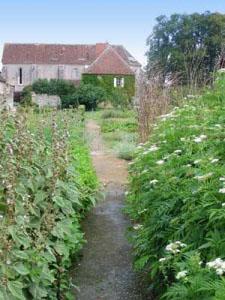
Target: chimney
x,y
100,47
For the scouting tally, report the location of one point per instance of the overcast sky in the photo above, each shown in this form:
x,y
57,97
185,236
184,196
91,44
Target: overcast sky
x,y
127,22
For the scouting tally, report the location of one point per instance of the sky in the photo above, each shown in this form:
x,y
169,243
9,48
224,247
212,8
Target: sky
x,y
126,22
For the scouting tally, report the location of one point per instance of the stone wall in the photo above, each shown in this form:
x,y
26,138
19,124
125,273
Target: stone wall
x,y
6,96
44,100
31,73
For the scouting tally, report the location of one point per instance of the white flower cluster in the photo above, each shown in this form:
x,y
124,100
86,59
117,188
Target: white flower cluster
x,y
154,181
204,177
218,265
160,162
137,226
214,160
178,151
222,191
181,274
197,161
175,247
153,148
200,138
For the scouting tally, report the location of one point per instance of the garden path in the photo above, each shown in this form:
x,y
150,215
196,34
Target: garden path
x,y
105,270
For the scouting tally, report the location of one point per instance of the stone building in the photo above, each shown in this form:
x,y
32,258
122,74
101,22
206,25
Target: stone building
x,y
25,63
6,94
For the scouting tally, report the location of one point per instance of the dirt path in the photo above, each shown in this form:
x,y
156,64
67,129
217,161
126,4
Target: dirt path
x,y
105,271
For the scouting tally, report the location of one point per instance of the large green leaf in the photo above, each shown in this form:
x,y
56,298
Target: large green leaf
x,y
16,289
21,269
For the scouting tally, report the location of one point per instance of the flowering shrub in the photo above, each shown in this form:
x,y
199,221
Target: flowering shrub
x,y
176,195
46,185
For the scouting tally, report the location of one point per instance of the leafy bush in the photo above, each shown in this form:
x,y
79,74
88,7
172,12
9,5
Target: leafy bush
x,y
90,96
125,150
47,184
119,98
86,94
176,200
57,87
26,96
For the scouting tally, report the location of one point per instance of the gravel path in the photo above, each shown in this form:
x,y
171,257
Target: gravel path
x,y
105,270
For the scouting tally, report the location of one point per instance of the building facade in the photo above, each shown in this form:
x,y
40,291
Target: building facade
x,y
25,63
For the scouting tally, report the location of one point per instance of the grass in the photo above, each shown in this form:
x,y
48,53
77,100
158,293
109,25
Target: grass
x,y
119,130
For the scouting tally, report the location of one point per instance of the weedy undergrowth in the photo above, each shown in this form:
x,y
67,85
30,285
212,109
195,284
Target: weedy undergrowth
x,y
177,200
46,186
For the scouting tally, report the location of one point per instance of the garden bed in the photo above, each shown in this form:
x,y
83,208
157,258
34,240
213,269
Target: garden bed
x,y
47,186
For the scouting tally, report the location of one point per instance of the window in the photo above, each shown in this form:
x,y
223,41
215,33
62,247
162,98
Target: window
x,y
61,72
118,82
75,73
20,78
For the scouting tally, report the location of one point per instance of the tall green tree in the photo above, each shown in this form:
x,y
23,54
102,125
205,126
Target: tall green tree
x,y
189,46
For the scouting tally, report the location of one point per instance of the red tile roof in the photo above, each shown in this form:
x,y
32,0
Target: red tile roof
x,y
59,54
110,62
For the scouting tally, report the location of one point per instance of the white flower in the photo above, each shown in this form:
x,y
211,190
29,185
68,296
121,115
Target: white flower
x,y
154,181
160,162
223,204
181,274
222,178
218,265
162,259
197,161
137,227
200,138
8,262
131,163
188,165
219,271
126,193
144,171
183,139
1,217
215,160
153,148
178,151
203,177
175,247
222,191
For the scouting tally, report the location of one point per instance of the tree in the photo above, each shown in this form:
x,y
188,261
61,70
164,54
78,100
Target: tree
x,y
188,45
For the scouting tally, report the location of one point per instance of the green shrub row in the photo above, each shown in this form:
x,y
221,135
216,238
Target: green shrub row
x,y
46,185
177,201
71,96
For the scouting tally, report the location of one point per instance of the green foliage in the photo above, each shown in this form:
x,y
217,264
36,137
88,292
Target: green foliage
x,y
57,87
125,150
188,45
26,96
107,83
116,114
89,95
47,184
176,199
119,98
109,125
